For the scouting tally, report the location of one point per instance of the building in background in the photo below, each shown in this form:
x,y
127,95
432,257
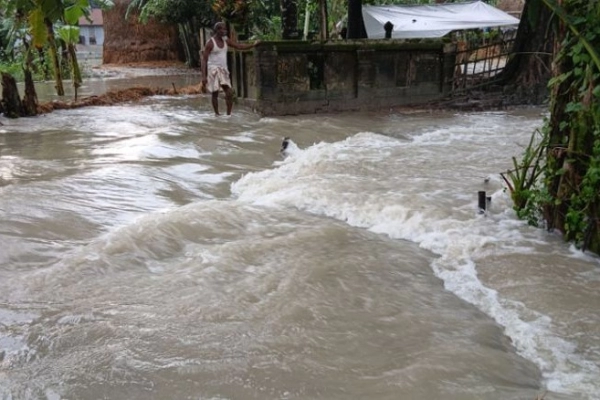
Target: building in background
x,y
91,32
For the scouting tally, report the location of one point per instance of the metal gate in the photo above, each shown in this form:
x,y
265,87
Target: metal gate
x,y
478,62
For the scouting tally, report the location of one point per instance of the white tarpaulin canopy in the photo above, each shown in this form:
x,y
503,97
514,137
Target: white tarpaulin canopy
x,y
431,21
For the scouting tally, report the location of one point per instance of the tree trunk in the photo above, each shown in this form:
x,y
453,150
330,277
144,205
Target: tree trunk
x,y
11,102
527,73
289,19
30,100
356,25
45,69
323,20
60,90
75,71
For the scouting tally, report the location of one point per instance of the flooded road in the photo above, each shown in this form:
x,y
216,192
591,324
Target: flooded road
x,y
155,251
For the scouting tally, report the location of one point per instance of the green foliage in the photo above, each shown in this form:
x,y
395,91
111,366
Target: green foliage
x,y
27,36
51,9
568,196
68,33
5,40
269,29
523,180
37,27
265,20
578,23
233,11
13,68
385,2
174,11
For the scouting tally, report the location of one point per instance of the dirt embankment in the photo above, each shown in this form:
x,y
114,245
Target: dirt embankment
x,y
129,40
134,93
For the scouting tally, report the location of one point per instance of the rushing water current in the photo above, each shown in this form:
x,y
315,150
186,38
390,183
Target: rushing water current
x,y
155,251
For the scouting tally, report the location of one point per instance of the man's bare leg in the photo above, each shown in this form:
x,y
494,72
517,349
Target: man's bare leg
x,y
215,102
228,98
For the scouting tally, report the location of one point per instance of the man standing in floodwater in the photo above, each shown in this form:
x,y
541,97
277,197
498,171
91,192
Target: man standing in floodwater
x,y
215,74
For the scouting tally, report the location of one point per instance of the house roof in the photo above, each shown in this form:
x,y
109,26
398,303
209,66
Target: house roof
x,y
95,16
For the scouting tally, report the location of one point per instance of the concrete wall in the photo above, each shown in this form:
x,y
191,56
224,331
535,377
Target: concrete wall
x,y
280,78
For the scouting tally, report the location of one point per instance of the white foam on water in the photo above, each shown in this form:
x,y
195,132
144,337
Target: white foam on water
x,y
322,179
242,137
213,178
270,120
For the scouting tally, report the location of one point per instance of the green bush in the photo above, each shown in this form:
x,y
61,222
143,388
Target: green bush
x,y
14,68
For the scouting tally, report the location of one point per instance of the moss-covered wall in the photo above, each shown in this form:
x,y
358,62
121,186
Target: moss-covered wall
x,y
280,78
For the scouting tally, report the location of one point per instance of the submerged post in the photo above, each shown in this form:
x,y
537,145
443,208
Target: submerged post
x,y
482,201
389,27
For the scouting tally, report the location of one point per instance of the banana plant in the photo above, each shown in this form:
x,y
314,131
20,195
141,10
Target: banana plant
x,y
68,32
41,20
33,30
41,17
15,25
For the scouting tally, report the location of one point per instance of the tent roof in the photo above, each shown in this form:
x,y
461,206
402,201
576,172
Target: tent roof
x,y
431,21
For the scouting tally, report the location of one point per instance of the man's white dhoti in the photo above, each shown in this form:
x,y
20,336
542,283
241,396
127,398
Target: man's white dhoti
x,y
217,77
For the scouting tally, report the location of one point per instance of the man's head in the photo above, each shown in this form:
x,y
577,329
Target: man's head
x,y
220,29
